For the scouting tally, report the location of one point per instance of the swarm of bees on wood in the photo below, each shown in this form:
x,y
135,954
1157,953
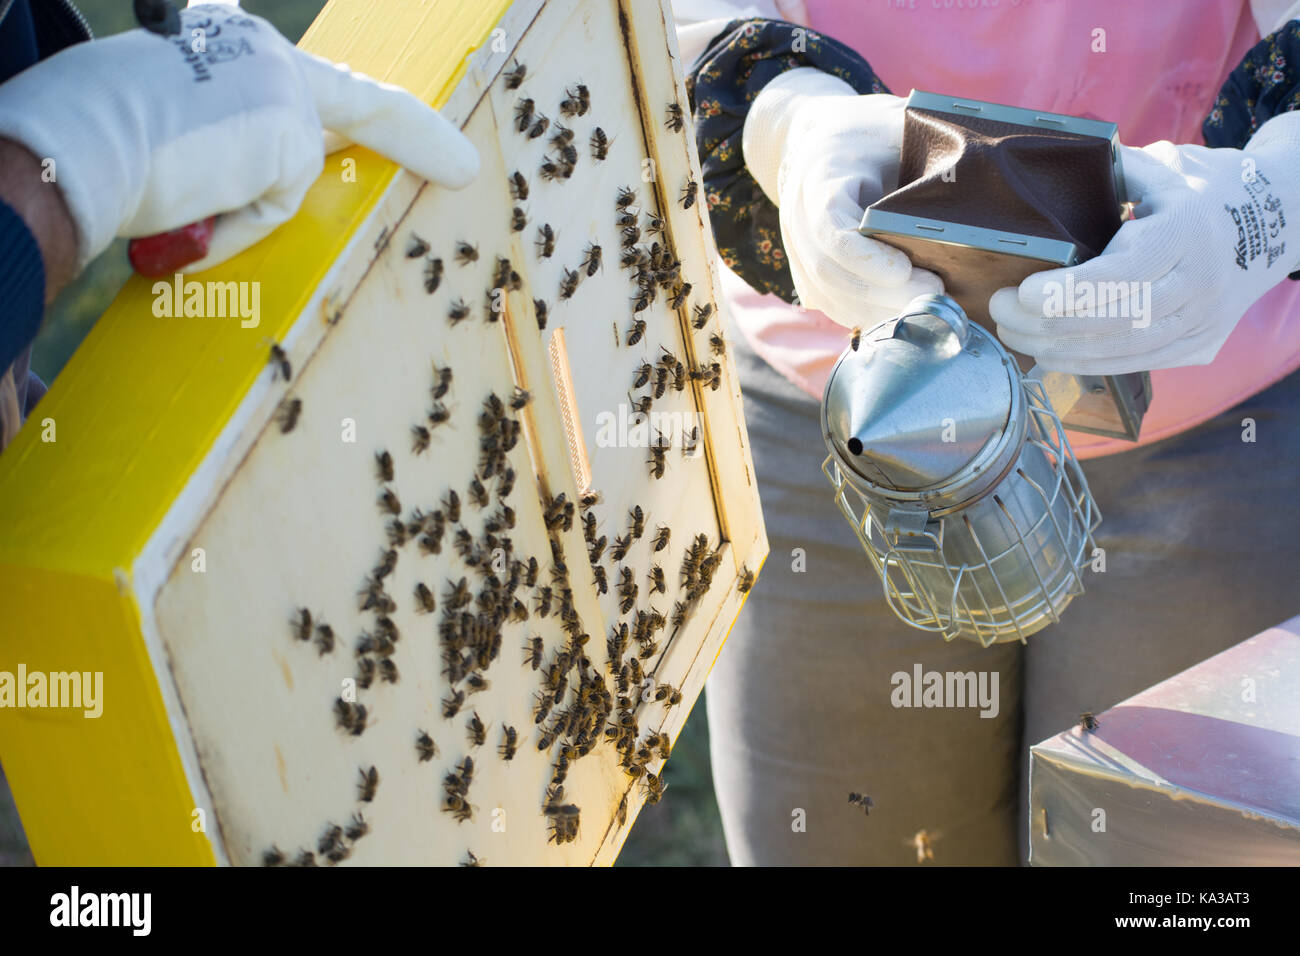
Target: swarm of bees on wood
x,y
578,706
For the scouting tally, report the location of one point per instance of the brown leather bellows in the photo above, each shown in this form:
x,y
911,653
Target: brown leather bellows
x,y
989,194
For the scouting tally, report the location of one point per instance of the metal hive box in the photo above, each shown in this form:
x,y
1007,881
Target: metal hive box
x,y
186,515
1201,769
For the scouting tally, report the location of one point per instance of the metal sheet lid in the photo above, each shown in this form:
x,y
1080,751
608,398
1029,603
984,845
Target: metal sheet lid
x,y
919,399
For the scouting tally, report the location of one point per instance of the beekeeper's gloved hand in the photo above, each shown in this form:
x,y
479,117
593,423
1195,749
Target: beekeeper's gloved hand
x,y
1216,229
147,134
822,154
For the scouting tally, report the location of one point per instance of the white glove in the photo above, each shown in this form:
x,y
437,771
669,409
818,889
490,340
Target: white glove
x,y
1216,229
147,134
822,154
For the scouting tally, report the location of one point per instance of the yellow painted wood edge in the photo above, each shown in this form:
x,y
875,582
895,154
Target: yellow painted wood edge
x,y
92,791
141,402
134,413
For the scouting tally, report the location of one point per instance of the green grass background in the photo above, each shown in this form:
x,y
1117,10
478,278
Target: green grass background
x,y
684,828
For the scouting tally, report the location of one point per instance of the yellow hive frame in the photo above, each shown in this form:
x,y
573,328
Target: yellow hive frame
x,y
132,425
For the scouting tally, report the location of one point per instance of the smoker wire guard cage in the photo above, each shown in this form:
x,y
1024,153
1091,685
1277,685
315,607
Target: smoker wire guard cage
x,y
919,606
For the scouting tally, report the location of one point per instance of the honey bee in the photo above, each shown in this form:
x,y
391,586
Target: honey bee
x,y
591,258
576,102
452,506
569,284
518,186
386,565
351,717
477,731
657,582
478,495
425,747
365,672
465,253
923,843
688,194
433,270
524,110
534,652
390,503
324,639
543,601
518,220
636,520
451,705
542,708
540,308
654,788
539,127
384,466
329,840
472,860
357,827
530,574
640,302
563,136
388,670
420,438
619,551
596,549
273,857
701,315
679,297
658,461
599,144
305,858
280,359
691,442
286,414
457,312
629,236
1088,721
302,624
513,78
621,815
746,580
675,121
509,743
417,247
661,382
635,333
550,170
368,785
626,197
662,534
602,584
717,344
863,801
643,374
457,596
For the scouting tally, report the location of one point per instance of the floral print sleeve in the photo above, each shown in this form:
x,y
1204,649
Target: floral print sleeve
x,y
1264,84
725,80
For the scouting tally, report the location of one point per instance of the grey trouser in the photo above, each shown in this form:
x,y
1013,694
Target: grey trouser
x,y
1202,541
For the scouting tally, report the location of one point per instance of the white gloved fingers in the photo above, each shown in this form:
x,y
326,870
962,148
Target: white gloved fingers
x,y
1147,170
235,231
390,121
1142,250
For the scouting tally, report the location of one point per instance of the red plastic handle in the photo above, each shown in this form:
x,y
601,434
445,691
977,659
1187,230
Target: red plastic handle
x,y
167,253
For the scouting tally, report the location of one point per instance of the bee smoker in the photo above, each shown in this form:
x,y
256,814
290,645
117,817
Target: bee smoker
x,y
956,475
